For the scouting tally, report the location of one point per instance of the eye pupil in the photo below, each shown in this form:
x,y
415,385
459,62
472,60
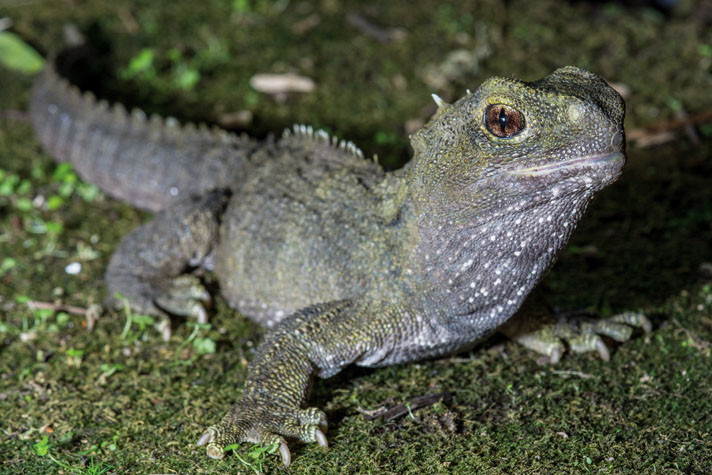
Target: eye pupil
x,y
502,120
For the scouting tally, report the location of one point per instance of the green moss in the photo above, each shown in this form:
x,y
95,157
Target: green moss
x,y
139,405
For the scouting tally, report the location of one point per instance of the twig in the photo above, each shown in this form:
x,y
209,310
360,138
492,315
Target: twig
x,y
12,114
573,373
696,342
695,119
661,132
409,406
34,304
380,34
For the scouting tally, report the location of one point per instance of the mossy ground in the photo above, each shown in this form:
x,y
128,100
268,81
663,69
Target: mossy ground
x,y
138,404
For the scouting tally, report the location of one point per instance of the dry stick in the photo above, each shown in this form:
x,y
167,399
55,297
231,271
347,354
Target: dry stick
x,y
33,304
662,132
696,119
13,114
406,407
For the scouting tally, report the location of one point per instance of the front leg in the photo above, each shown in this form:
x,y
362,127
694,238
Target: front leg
x,y
319,340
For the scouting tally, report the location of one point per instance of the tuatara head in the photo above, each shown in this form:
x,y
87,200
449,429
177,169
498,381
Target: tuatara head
x,y
520,141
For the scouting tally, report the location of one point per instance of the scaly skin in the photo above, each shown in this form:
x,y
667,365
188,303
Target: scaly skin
x,y
345,262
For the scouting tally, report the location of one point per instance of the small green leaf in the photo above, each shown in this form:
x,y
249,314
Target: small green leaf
x,y
62,318
72,352
7,186
187,78
23,204
7,264
241,6
17,55
87,191
54,202
204,346
141,63
42,447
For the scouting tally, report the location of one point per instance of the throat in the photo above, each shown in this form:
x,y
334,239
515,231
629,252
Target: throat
x,y
485,269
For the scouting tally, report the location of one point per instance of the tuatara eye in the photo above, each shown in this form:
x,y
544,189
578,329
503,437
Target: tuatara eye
x,y
503,121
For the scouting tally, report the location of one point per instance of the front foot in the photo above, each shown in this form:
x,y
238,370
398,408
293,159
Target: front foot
x,y
265,423
581,335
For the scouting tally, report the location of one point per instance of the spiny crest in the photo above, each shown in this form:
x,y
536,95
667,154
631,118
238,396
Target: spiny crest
x,y
102,110
323,137
439,101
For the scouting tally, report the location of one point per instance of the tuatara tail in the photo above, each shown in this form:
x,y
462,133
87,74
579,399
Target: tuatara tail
x,y
149,162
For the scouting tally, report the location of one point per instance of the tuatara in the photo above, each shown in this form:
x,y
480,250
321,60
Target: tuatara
x,y
344,262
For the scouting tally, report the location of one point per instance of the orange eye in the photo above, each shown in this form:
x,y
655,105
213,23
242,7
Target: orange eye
x,y
503,121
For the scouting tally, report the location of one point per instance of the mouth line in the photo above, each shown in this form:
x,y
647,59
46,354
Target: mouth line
x,y
591,160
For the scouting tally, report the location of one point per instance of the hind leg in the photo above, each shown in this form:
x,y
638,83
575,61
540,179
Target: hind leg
x,y
149,268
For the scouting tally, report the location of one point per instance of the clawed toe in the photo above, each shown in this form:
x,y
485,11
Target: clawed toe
x,y
602,350
633,319
205,438
321,438
247,422
581,335
285,454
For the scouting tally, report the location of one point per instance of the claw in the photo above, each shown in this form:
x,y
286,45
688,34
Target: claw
x,y
164,326
201,314
286,455
205,438
321,438
602,350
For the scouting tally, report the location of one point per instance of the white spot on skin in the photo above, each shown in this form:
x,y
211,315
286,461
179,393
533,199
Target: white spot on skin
x,y
174,191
